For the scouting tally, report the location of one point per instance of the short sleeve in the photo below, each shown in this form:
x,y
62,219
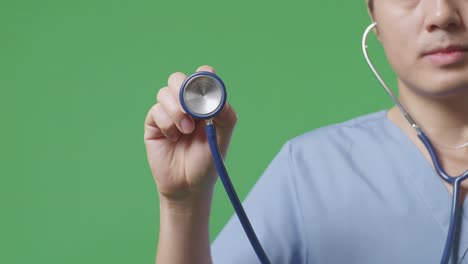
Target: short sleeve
x,y
275,214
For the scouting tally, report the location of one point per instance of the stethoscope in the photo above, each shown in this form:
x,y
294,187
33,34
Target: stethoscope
x,y
203,96
455,181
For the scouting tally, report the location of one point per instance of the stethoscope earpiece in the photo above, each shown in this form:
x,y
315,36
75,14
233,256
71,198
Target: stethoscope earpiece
x,y
203,95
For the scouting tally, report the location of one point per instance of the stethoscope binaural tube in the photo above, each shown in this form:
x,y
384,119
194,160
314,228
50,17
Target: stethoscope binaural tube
x,y
203,96
455,181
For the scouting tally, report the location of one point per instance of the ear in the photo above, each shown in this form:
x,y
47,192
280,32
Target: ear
x,y
371,12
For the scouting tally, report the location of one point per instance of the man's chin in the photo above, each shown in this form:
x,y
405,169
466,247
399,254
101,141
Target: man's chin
x,y
440,87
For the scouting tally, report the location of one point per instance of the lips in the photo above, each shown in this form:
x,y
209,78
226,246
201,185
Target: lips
x,y
443,56
447,49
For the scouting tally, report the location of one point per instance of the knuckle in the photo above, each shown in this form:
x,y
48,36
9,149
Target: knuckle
x,y
154,109
160,95
170,105
175,114
150,111
163,122
174,77
156,114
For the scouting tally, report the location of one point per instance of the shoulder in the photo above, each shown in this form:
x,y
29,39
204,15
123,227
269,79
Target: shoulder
x,y
364,143
364,129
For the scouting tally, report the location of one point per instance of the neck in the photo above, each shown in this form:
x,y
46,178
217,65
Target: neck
x,y
443,120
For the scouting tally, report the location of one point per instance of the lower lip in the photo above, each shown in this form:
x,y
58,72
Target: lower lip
x,y
446,58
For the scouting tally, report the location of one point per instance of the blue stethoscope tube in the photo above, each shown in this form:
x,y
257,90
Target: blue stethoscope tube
x,y
455,181
210,130
223,175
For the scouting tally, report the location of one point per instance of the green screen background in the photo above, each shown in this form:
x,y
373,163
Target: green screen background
x,y
78,77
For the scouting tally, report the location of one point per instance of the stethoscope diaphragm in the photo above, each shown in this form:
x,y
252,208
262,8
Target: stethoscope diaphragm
x,y
203,95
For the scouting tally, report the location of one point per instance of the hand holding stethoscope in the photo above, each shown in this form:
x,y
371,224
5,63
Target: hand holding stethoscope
x,y
177,148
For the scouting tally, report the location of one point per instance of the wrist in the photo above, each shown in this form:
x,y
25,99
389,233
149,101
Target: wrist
x,y
187,203
184,229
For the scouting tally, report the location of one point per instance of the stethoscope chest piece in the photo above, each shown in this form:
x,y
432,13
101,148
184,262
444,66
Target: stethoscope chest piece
x,y
203,95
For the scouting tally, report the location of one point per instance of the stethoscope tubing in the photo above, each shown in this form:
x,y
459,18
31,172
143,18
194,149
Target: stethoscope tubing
x,y
210,131
455,181
239,209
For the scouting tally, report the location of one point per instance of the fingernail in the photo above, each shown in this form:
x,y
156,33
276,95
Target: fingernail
x,y
186,125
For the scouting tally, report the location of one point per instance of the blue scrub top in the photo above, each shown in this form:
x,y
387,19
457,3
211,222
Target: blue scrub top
x,y
354,192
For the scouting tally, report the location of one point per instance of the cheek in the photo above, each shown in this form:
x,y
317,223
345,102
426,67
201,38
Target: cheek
x,y
398,33
399,47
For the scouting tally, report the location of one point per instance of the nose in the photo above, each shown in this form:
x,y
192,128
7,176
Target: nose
x,y
442,15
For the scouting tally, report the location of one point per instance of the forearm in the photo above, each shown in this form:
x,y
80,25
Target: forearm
x,y
184,231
